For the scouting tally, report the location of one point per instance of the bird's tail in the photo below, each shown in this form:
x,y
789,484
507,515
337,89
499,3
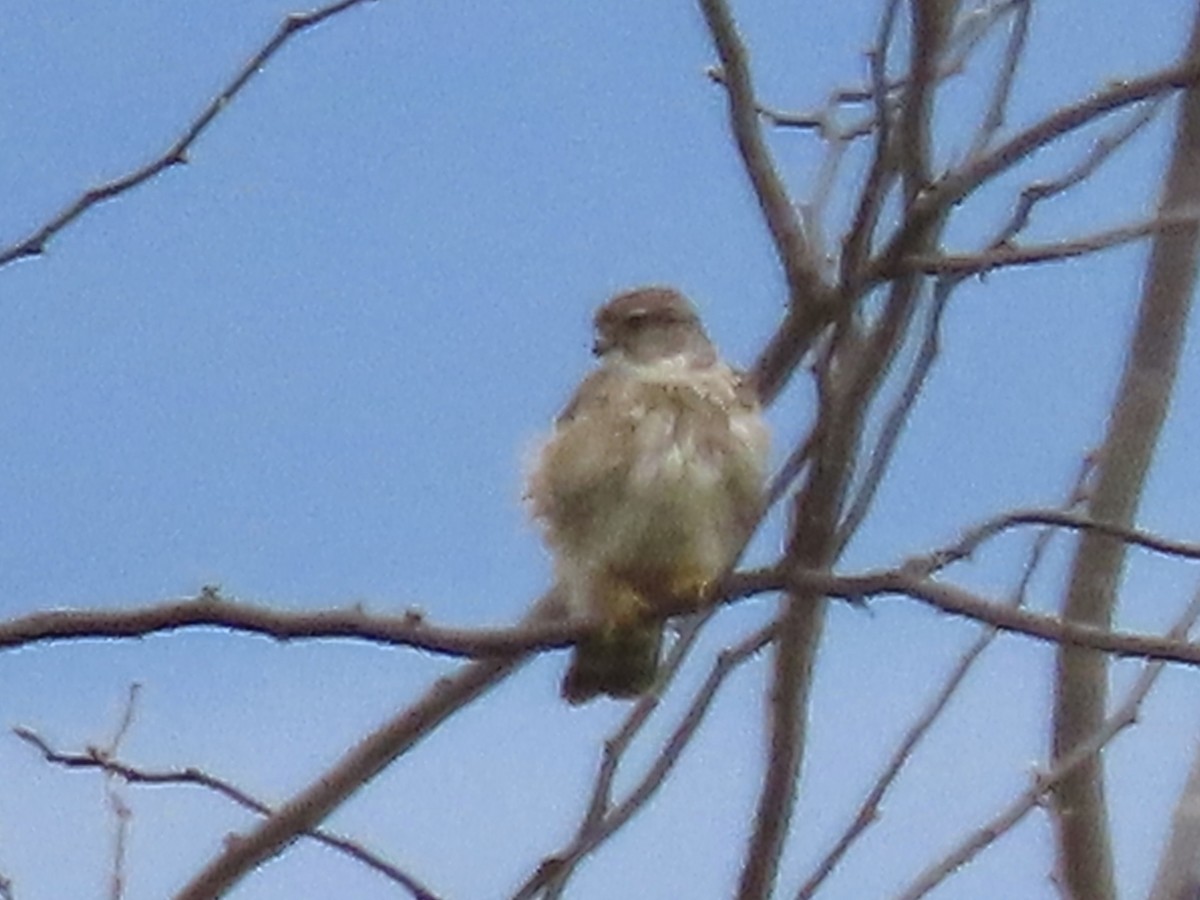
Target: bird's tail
x,y
619,662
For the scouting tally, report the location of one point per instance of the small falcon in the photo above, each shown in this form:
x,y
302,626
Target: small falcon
x,y
648,486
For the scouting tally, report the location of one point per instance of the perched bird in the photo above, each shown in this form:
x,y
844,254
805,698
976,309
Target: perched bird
x,y
648,485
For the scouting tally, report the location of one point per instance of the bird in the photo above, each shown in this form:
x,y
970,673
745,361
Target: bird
x,y
648,485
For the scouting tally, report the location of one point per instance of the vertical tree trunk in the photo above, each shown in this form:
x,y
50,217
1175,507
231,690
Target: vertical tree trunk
x,y
1085,852
1179,869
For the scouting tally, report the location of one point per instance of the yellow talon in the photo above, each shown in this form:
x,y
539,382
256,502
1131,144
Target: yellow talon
x,y
625,607
691,584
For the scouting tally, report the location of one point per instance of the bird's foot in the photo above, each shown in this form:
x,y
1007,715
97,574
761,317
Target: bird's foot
x,y
625,607
692,587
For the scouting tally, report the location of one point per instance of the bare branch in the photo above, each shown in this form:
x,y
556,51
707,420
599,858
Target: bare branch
x,y
1059,123
1139,411
357,766
808,301
967,35
998,106
1178,876
868,810
955,186
35,243
930,26
856,246
897,417
211,610
1045,782
1099,153
976,536
816,508
1009,255
600,804
791,469
130,774
961,602
799,626
120,810
823,121
556,868
804,283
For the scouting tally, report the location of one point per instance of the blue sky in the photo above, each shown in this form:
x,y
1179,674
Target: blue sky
x,y
307,367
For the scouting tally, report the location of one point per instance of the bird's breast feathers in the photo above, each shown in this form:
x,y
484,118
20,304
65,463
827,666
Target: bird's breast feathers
x,y
660,463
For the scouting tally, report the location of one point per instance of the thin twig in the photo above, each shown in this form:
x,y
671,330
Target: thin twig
x,y
112,766
122,814
1010,256
35,243
1044,782
955,186
557,866
897,417
972,28
970,542
1062,121
960,602
968,34
856,246
997,111
795,257
357,766
617,745
823,121
1100,151
868,811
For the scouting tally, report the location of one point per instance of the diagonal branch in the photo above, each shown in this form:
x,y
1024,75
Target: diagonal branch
x,y
1178,873
868,810
1058,518
856,245
591,830
807,311
107,763
1007,256
954,187
795,256
960,602
34,244
1101,150
360,764
554,869
897,416
997,111
1138,413
1045,782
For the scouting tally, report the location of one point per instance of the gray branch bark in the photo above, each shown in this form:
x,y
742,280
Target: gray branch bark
x,y
1179,869
1142,402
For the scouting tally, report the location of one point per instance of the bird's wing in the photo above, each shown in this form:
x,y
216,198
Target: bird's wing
x,y
594,393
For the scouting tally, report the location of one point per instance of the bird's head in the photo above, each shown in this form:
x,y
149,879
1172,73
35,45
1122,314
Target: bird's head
x,y
650,324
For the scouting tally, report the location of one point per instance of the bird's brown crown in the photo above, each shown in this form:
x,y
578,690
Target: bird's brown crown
x,y
649,322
